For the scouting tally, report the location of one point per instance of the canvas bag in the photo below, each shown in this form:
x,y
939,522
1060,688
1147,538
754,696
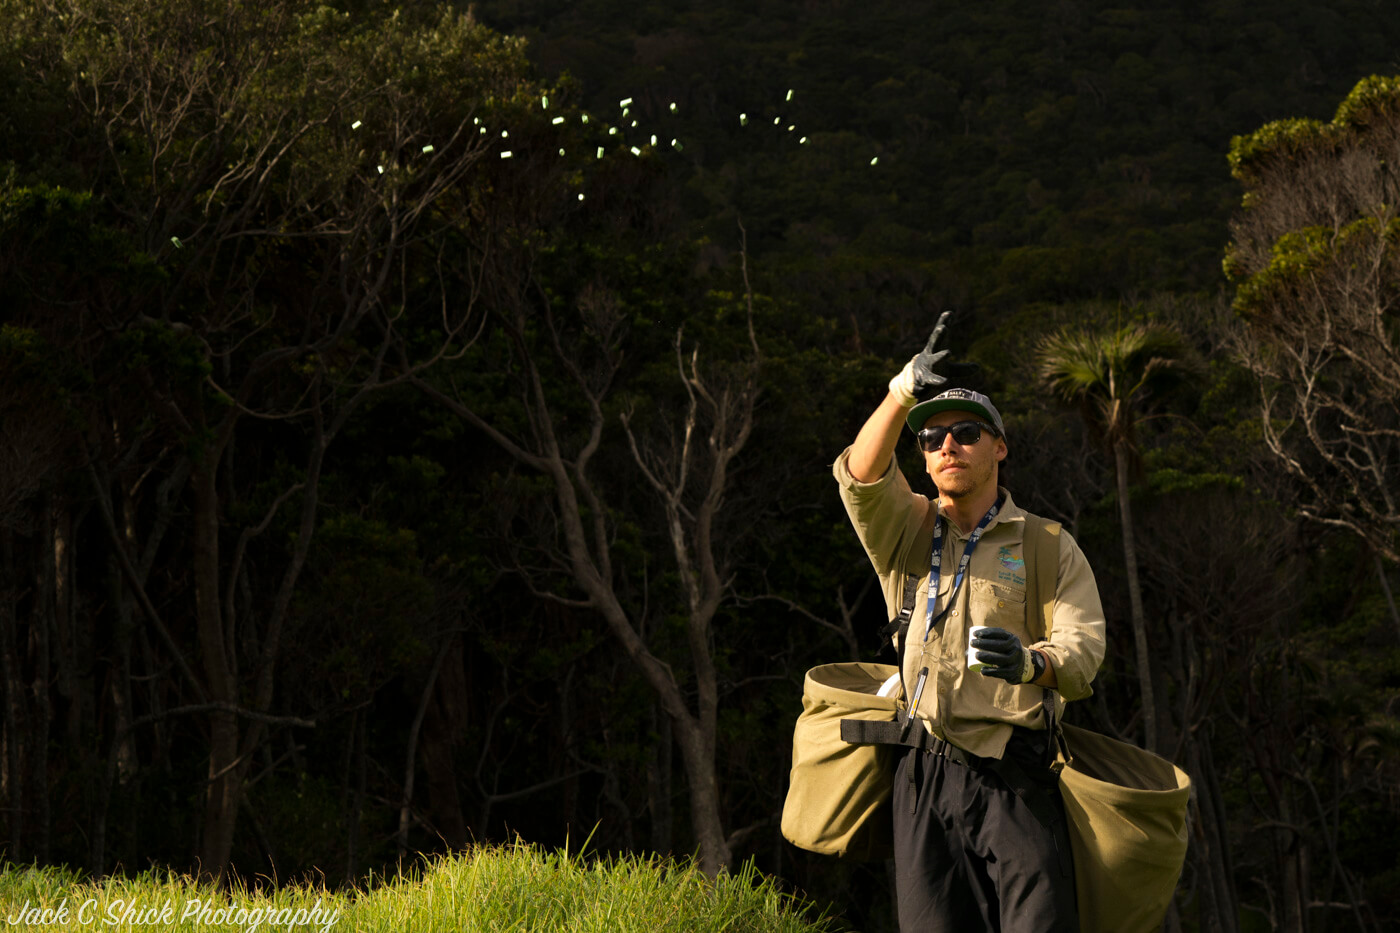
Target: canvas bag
x,y
1127,826
1126,807
838,799
839,793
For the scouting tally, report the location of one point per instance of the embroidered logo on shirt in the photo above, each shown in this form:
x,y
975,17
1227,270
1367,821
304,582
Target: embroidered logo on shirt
x,y
1012,567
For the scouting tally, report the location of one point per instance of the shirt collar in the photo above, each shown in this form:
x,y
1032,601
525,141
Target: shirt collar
x,y
1009,511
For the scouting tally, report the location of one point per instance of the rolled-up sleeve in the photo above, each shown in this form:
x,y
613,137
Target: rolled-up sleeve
x,y
886,514
1076,644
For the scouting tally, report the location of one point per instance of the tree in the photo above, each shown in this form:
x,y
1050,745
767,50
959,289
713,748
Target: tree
x,y
1315,257
1222,603
570,395
289,177
1113,376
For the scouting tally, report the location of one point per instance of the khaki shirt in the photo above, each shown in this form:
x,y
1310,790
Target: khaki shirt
x,y
971,710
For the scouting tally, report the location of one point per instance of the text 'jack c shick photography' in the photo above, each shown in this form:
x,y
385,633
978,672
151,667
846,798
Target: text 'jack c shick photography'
x,y
134,914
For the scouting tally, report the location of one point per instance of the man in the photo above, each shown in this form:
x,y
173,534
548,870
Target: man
x,y
970,854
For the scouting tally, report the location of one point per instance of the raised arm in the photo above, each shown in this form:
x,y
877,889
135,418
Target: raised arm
x,y
870,455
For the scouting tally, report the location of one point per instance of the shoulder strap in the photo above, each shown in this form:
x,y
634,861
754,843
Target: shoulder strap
x,y
1040,547
899,625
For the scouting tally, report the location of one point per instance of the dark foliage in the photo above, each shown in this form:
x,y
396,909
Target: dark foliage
x,y
289,382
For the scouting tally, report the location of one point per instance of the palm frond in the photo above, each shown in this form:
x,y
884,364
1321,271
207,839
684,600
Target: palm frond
x,y
1110,373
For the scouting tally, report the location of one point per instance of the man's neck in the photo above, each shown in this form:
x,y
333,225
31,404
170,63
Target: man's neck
x,y
967,511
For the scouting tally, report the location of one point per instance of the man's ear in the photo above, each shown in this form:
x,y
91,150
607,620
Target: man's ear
x,y
1001,450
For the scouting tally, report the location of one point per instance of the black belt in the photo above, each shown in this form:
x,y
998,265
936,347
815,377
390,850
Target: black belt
x,y
894,732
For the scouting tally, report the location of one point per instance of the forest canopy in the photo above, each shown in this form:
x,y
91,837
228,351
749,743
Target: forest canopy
x,y
416,422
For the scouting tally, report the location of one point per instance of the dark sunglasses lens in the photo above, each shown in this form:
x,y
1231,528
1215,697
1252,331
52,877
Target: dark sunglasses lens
x,y
967,433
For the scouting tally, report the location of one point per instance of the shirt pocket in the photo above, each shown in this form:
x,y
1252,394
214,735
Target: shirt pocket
x,y
998,604
919,621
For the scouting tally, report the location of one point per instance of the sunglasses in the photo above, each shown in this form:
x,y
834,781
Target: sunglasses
x,y
965,433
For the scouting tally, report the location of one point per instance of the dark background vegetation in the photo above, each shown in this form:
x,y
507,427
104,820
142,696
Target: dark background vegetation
x,y
335,471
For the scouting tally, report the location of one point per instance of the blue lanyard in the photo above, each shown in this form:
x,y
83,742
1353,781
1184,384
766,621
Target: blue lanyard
x,y
934,614
936,567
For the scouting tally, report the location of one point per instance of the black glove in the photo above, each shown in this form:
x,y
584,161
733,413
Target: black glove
x,y
1006,656
918,373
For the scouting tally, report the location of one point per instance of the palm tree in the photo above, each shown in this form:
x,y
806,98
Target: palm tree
x,y
1112,375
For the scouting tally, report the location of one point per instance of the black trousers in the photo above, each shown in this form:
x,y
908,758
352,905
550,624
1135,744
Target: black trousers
x,y
969,855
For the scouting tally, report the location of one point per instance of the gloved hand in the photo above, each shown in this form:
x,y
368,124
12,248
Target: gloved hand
x,y
1007,657
918,373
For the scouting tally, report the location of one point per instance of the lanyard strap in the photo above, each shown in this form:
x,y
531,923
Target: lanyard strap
x,y
934,613
936,567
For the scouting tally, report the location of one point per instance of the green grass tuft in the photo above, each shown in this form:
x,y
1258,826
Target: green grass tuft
x,y
496,889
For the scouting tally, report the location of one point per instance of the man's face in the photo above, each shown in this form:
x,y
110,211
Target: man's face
x,y
964,470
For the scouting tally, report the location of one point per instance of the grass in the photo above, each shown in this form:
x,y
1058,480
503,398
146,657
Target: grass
x,y
496,889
